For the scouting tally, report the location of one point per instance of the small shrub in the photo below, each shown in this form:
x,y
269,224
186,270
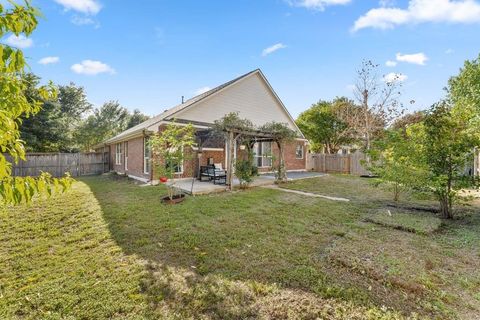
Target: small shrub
x,y
245,170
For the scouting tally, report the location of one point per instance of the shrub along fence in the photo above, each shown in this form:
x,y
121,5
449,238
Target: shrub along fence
x,y
57,164
338,163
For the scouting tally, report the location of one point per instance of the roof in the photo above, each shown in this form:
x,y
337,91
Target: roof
x,y
167,114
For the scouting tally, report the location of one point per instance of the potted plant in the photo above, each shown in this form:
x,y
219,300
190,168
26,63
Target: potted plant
x,y
168,154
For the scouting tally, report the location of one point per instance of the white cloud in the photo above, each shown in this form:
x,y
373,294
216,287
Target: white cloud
x,y
49,60
90,67
449,51
391,63
351,87
81,21
272,49
416,58
420,11
85,6
317,4
394,77
201,90
20,42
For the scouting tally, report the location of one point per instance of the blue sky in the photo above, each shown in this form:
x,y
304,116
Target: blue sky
x,y
148,53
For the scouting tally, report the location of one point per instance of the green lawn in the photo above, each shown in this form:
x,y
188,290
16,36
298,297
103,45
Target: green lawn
x,y
110,249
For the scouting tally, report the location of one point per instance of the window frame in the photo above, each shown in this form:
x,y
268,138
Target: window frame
x,y
118,154
125,148
303,152
181,165
259,148
146,159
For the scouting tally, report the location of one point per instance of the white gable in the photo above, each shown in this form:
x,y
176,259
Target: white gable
x,y
251,97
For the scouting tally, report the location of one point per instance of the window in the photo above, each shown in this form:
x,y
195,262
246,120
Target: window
x,y
118,154
126,155
262,154
299,151
146,156
177,167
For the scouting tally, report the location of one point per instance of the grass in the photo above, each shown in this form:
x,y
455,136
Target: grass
x,y
418,222
110,249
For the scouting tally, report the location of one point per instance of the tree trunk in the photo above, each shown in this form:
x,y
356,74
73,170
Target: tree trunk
x,y
446,207
396,192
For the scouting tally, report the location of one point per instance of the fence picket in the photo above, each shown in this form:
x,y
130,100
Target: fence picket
x,y
57,164
338,163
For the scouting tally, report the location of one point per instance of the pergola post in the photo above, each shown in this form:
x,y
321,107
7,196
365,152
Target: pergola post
x,y
281,162
230,153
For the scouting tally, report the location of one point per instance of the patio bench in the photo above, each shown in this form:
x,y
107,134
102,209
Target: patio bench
x,y
217,175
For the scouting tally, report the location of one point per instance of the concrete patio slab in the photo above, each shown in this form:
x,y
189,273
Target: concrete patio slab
x,y
206,187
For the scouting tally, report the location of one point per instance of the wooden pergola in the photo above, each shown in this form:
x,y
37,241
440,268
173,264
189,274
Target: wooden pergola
x,y
232,136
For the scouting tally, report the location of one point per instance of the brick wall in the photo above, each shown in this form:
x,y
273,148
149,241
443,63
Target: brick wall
x,y
135,159
291,162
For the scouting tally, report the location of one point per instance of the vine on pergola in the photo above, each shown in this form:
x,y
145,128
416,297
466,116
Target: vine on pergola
x,y
235,129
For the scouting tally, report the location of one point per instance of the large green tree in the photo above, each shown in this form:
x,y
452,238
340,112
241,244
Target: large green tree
x,y
464,92
327,124
136,118
448,145
105,123
15,105
33,128
62,115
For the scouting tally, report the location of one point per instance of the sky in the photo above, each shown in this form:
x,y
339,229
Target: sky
x,y
148,53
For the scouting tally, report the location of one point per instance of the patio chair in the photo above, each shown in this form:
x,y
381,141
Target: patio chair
x,y
217,175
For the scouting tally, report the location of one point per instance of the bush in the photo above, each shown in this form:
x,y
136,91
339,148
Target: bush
x,y
245,170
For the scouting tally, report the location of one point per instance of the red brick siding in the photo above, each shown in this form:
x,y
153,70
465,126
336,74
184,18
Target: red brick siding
x,y
291,162
135,159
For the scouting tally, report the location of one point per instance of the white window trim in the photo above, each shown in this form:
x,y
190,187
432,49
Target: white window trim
x,y
303,152
146,159
263,157
118,154
125,148
181,166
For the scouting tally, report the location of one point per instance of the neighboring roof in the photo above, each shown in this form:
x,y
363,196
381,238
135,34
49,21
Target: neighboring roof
x,y
140,128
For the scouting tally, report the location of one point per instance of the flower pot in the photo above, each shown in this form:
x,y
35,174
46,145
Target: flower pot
x,y
175,199
163,179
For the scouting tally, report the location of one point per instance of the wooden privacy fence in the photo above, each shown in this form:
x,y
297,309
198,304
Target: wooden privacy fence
x,y
338,163
57,164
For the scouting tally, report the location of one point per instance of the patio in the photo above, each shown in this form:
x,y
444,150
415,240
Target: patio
x,y
207,187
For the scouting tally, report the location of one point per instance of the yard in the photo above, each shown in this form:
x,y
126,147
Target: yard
x,y
110,249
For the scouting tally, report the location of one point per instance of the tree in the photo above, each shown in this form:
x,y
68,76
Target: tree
x,y
169,150
232,127
463,90
397,161
73,102
408,119
14,104
32,128
326,124
106,122
136,118
280,134
448,144
378,101
62,115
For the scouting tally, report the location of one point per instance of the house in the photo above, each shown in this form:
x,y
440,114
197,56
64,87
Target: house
x,y
250,95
